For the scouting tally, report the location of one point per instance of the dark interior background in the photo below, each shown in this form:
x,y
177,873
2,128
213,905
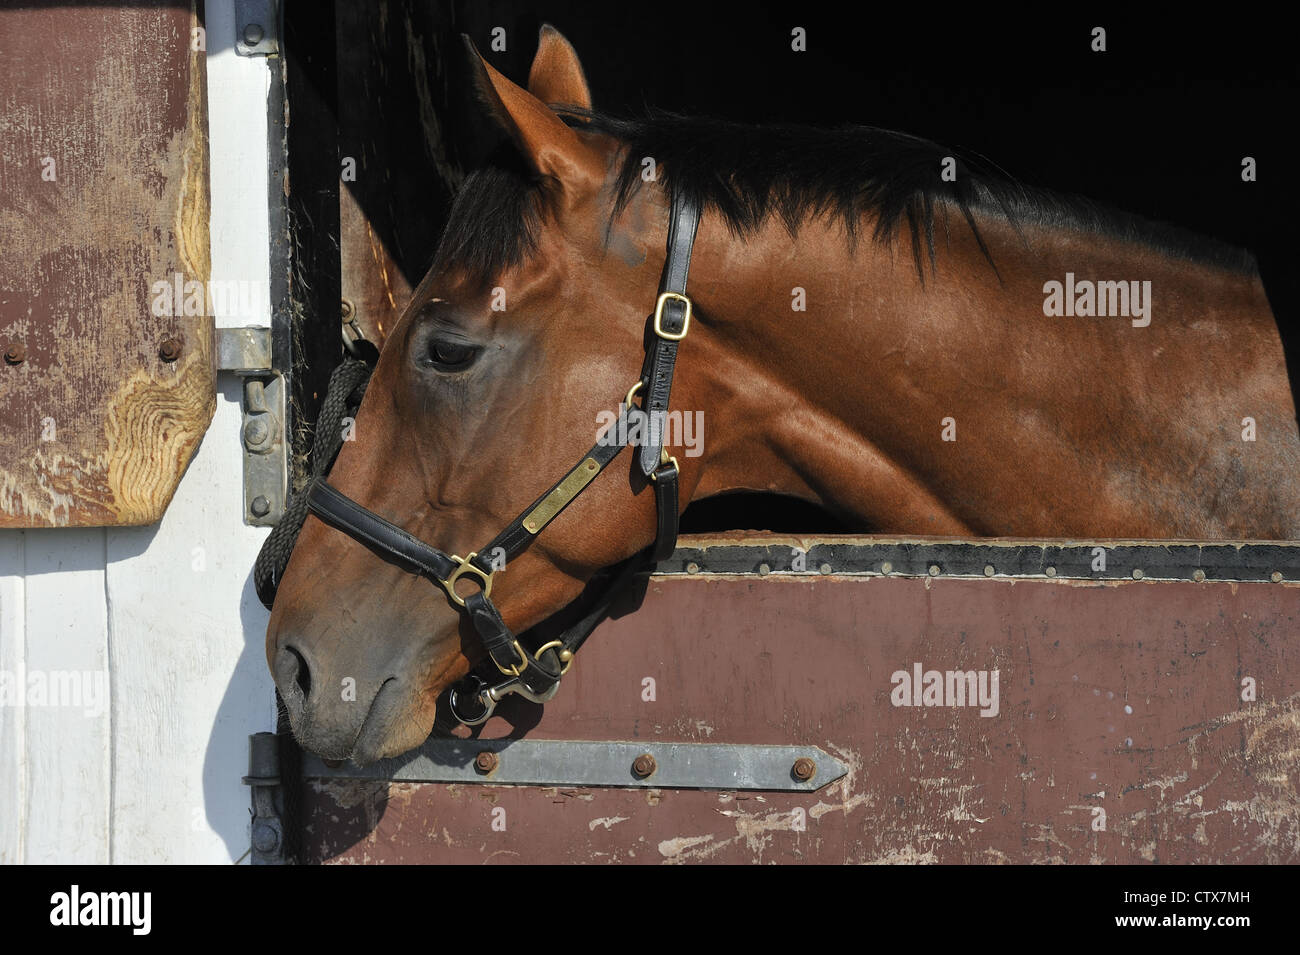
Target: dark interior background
x,y
1157,125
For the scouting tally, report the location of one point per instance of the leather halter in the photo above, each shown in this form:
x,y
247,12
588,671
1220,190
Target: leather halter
x,y
536,675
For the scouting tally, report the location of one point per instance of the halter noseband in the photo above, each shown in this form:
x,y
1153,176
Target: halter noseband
x,y
536,676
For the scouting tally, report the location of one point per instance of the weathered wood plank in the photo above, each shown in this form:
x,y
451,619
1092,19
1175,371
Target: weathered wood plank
x,y
103,193
1119,732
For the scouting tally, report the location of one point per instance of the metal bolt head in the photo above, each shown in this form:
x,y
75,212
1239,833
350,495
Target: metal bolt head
x,y
643,766
170,349
804,769
265,837
256,431
486,762
260,506
253,34
16,354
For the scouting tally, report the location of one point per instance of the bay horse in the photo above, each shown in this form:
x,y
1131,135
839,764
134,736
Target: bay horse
x,y
913,342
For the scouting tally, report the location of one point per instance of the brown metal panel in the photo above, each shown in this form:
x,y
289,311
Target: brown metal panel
x,y
1120,697
103,193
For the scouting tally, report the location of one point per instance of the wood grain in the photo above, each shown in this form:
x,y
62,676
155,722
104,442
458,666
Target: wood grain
x,y
103,192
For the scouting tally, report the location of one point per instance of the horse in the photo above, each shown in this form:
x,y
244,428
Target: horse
x,y
911,340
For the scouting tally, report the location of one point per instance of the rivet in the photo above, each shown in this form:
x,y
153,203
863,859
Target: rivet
x,y
1051,571
265,838
256,431
486,761
169,349
764,569
1137,573
988,570
824,569
253,34
16,354
1198,575
804,769
1276,577
886,568
531,525
934,570
260,506
643,766
591,465
692,568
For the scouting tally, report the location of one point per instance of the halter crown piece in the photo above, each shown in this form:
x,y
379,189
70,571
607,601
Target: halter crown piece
x,y
536,675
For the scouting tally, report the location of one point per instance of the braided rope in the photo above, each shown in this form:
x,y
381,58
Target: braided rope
x,y
346,389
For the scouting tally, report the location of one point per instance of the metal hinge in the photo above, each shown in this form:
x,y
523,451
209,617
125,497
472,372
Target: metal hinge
x,y
267,832
257,27
247,352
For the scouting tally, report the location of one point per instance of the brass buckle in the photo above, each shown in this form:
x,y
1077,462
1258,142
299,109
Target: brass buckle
x,y
517,670
465,567
659,316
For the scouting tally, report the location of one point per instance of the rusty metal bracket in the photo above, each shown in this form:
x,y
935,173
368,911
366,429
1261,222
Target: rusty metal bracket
x,y
267,831
247,352
257,27
636,765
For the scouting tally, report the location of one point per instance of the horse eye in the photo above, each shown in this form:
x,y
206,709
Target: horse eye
x,y
447,355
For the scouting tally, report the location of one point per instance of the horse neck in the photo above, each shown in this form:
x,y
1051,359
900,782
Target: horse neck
x,y
848,401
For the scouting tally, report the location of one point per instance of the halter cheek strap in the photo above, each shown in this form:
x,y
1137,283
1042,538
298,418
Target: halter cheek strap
x,y
536,675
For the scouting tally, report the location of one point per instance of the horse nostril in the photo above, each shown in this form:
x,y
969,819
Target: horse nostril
x,y
293,666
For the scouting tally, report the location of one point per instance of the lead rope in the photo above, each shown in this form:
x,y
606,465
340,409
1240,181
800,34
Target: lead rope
x,y
346,389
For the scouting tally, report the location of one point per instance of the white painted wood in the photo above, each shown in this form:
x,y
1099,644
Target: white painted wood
x,y
13,723
69,774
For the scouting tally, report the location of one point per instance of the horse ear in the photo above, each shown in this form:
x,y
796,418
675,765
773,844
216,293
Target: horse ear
x,y
556,76
550,148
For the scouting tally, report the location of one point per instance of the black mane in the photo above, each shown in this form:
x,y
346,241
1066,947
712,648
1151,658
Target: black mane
x,y
748,174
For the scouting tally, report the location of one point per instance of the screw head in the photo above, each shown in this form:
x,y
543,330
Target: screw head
x,y
170,349
260,506
253,34
16,354
486,761
804,769
643,766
